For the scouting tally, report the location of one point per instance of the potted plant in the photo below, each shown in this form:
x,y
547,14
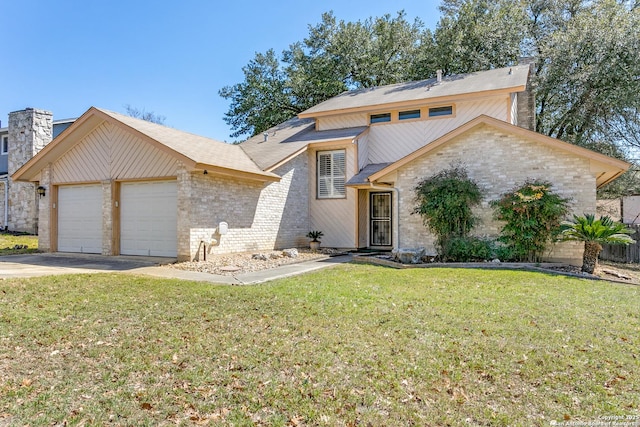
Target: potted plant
x,y
315,236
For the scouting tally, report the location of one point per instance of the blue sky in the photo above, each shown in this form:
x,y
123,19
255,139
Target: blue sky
x,y
171,58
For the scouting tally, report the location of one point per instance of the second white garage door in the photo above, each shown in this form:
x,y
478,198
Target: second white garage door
x,y
148,218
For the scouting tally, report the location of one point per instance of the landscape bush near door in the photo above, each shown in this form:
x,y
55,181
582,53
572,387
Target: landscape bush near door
x,y
444,202
532,214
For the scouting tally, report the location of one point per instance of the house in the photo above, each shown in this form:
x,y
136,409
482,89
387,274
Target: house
x,y
28,132
347,166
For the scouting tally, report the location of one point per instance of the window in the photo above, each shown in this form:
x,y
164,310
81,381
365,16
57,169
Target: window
x,y
5,145
331,174
441,111
379,118
405,115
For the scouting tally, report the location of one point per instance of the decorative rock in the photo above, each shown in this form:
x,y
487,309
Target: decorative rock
x,y
274,255
291,253
261,257
408,256
496,261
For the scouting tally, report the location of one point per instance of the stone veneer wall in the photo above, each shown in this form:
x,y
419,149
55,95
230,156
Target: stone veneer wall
x,y
261,216
29,131
497,162
526,104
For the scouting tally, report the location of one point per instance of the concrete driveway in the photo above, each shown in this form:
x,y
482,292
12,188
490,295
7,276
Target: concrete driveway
x,y
33,265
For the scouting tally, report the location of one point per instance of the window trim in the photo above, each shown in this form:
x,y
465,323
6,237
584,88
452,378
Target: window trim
x,y
4,149
330,194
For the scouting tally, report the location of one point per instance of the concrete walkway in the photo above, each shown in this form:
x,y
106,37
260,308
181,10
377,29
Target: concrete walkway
x,y
35,265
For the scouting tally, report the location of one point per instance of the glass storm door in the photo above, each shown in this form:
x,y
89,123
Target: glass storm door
x,y
380,218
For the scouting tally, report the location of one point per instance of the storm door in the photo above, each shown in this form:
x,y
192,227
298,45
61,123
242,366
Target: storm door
x,y
380,219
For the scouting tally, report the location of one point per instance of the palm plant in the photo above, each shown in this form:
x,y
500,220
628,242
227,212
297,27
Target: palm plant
x,y
594,232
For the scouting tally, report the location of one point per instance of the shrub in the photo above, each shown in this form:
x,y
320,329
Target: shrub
x,y
532,215
467,249
444,201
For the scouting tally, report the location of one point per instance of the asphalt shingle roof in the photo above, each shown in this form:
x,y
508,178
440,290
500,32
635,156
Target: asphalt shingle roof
x,y
482,81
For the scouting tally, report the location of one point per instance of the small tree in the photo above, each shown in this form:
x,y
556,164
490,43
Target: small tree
x,y
594,232
148,116
444,202
532,215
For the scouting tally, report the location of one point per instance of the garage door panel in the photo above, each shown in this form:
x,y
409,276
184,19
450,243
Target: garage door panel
x,y
80,218
149,218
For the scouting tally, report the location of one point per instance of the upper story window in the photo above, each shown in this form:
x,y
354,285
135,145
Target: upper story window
x,y
4,147
331,173
406,115
441,111
380,118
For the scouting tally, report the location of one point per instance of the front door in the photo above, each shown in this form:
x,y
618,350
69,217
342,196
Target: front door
x,y
380,219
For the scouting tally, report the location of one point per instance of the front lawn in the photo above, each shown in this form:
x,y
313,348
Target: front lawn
x,y
12,243
350,345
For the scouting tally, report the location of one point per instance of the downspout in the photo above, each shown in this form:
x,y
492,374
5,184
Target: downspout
x,y
396,223
5,181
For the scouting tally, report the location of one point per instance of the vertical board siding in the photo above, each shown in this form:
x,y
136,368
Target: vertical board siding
x,y
336,218
110,152
343,121
391,142
363,151
363,218
514,109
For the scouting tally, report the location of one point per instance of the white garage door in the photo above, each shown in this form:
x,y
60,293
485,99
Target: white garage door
x,y
148,218
80,219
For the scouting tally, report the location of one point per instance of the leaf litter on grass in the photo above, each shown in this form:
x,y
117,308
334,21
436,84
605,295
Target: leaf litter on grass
x,y
350,345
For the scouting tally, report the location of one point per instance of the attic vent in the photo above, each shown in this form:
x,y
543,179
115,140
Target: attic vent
x,y
266,136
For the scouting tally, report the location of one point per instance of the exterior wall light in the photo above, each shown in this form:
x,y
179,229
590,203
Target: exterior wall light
x,y
41,191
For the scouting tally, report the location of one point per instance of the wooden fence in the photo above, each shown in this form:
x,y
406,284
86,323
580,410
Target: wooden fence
x,y
624,253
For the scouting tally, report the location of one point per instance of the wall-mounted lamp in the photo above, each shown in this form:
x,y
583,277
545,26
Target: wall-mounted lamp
x,y
41,191
205,172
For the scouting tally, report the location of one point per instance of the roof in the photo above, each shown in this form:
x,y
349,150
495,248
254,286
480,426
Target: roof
x,y
607,168
362,177
289,139
195,151
481,83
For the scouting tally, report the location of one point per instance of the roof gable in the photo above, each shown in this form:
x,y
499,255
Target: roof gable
x,y
196,152
607,168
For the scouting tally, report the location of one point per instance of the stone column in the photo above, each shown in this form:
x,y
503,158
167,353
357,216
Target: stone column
x,y
107,217
44,211
29,131
184,185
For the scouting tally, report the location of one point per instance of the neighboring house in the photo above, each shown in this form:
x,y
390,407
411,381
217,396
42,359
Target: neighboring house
x,y
347,167
28,132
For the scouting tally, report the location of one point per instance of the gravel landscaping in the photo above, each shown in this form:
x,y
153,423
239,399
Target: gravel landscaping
x,y
245,262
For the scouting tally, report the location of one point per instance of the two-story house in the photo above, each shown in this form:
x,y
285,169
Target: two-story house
x,y
29,130
347,167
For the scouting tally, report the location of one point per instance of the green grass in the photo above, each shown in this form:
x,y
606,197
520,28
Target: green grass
x,y
351,345
9,241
